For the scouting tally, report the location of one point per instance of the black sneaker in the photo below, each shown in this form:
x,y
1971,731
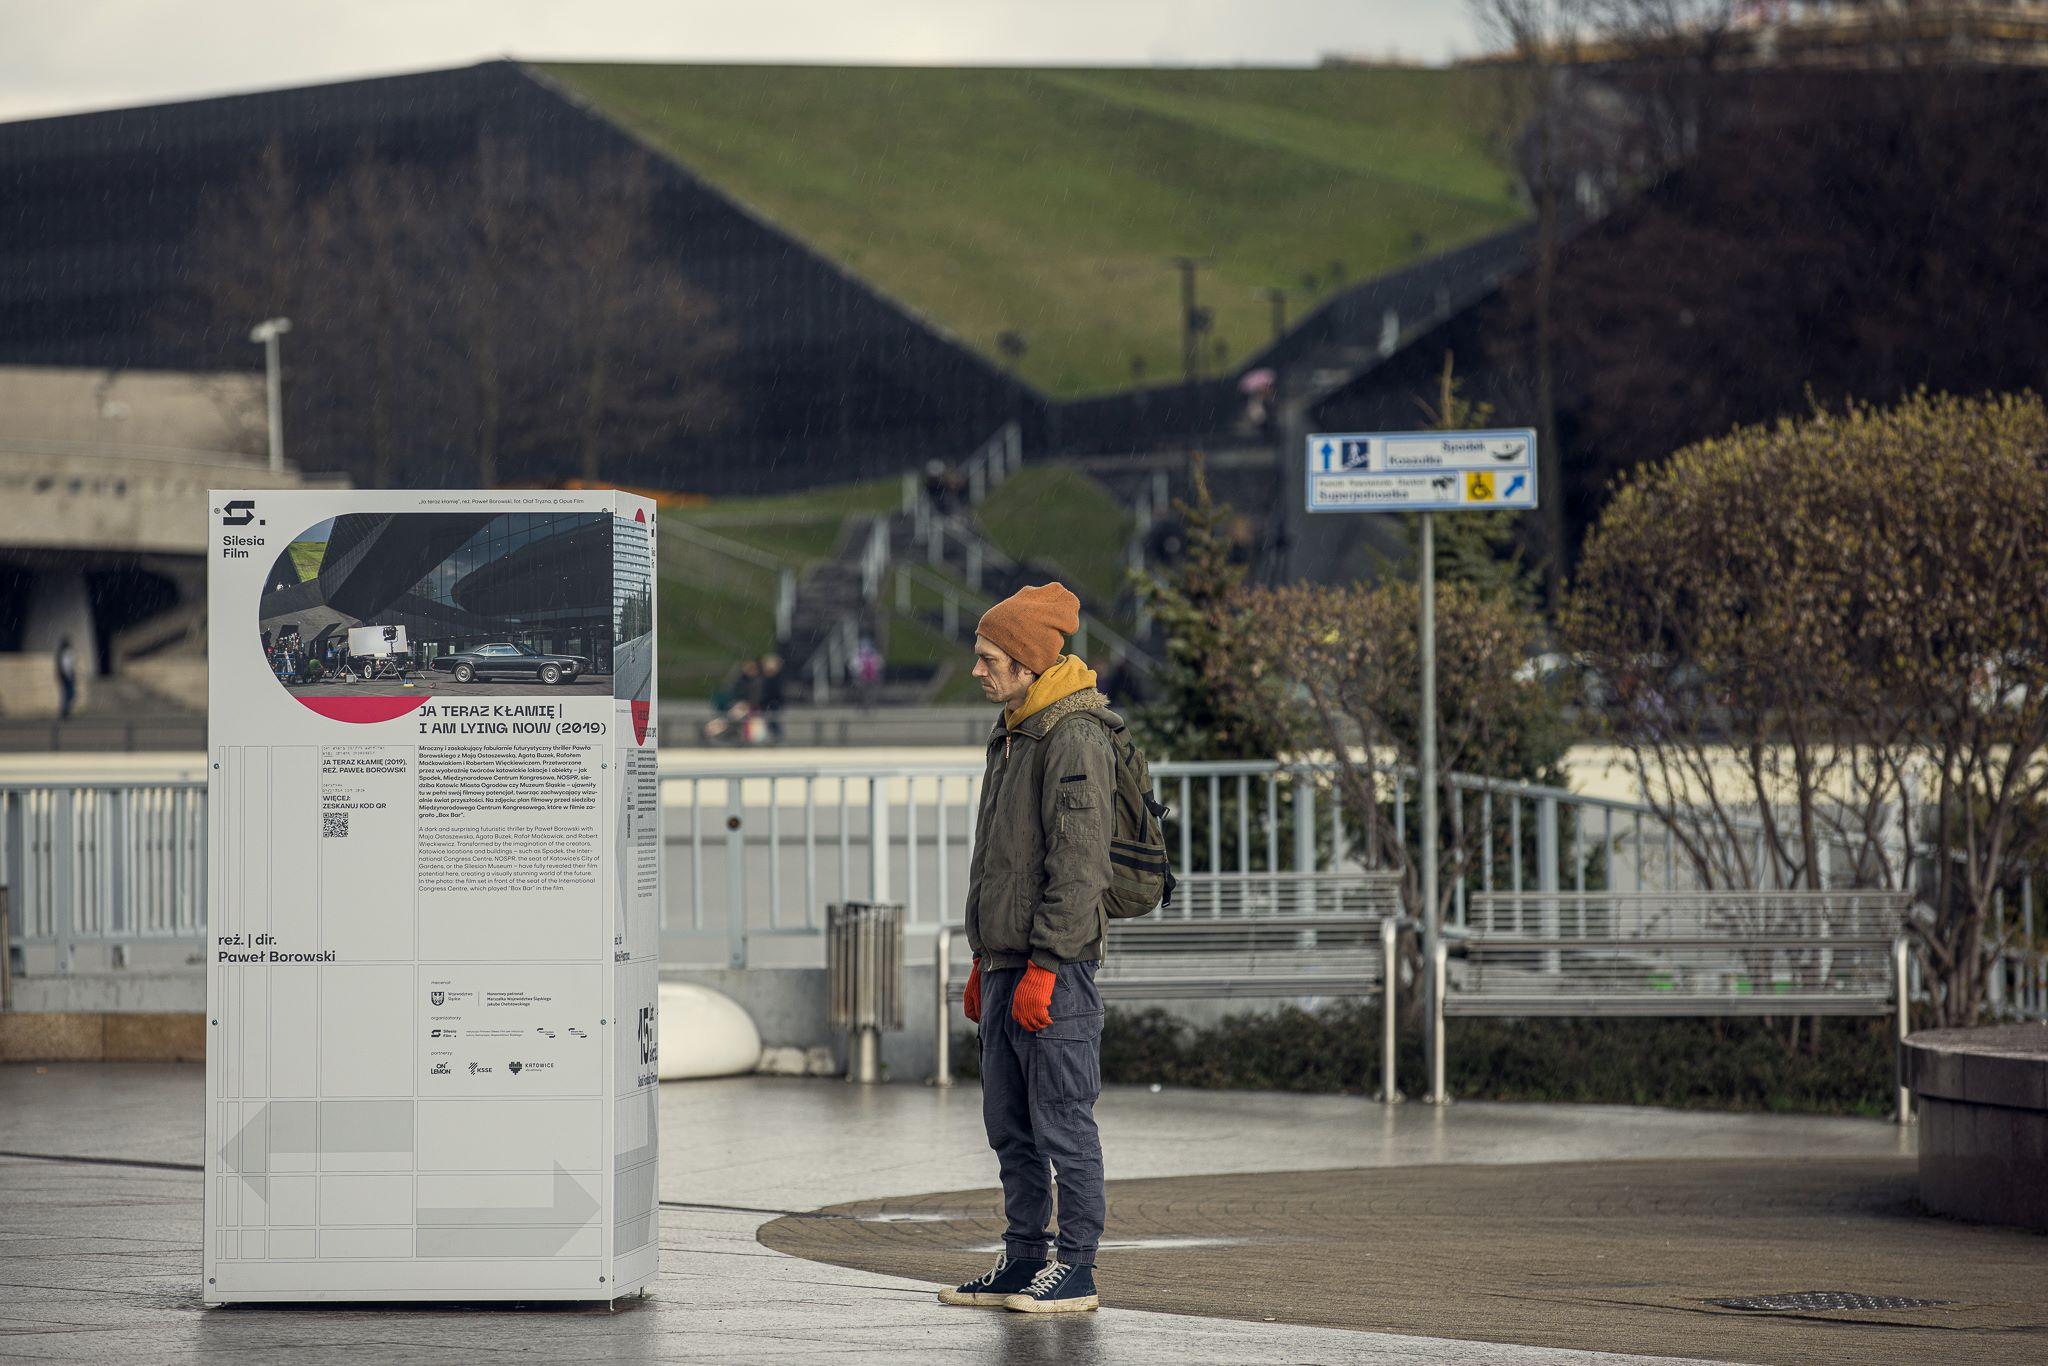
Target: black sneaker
x,y
1057,1289
1010,1276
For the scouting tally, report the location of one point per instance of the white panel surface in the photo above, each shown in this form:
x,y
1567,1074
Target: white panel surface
x,y
433,903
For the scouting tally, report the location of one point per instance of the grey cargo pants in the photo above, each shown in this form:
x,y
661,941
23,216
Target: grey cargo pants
x,y
1038,1102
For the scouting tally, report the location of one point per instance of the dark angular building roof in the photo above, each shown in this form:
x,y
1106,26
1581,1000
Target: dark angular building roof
x,y
828,376
104,208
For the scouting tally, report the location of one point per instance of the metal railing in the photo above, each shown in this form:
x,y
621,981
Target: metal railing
x,y
757,851
1334,955
1217,896
2019,963
1783,953
833,657
1678,953
784,841
874,559
985,469
1001,456
977,554
95,868
754,853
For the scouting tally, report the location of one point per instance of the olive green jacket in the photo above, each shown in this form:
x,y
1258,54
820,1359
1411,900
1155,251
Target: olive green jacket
x,y
1041,838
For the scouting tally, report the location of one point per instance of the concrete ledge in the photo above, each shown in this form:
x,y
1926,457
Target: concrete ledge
x,y
1983,1097
72,1036
173,991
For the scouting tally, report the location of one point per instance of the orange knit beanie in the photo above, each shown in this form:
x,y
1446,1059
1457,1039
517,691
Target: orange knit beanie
x,y
1031,624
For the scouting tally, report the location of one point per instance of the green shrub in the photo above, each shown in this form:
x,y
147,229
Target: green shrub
x,y
1681,1063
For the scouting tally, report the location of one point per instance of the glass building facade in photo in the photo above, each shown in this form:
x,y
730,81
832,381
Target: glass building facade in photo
x,y
455,580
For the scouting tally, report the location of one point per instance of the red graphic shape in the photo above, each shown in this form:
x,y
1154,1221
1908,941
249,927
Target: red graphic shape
x,y
639,514
363,710
641,712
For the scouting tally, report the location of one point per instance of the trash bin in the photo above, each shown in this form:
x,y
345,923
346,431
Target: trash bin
x,y
864,979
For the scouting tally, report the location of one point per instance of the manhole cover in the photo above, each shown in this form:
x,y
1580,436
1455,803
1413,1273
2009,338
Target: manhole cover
x,y
1808,1300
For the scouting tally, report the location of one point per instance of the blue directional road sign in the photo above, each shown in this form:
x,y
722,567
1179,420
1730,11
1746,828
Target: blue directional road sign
x,y
1421,471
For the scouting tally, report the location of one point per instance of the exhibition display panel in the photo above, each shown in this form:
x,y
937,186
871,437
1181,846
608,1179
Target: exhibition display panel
x,y
433,897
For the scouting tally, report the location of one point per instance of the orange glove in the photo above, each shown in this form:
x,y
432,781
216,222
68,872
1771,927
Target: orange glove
x,y
1031,1002
972,1002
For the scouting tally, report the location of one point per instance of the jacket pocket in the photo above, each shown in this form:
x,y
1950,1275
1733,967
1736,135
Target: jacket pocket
x,y
1066,1060
1085,1026
1076,813
1020,902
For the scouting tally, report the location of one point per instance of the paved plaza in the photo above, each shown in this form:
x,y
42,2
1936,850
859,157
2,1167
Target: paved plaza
x,y
1622,1256
1242,1228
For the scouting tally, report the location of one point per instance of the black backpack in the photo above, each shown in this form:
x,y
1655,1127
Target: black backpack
x,y
1140,877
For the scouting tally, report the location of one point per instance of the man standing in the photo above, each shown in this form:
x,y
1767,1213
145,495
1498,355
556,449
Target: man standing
x,y
1035,922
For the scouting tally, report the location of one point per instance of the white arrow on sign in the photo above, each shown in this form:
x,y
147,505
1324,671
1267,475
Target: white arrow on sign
x,y
571,1209
268,1139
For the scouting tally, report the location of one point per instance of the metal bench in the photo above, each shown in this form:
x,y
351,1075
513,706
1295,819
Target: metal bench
x,y
1672,953
1260,941
1224,895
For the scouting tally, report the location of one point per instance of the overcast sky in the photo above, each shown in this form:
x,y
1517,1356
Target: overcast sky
x,y
60,56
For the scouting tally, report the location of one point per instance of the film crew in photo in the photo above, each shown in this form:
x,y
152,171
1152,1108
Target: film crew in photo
x,y
379,651
433,896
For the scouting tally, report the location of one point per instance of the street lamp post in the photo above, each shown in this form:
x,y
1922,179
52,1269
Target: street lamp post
x,y
267,332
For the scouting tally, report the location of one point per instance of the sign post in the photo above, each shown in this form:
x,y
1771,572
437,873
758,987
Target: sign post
x,y
1424,473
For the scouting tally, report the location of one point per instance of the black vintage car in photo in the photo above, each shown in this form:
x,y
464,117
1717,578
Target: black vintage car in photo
x,y
504,659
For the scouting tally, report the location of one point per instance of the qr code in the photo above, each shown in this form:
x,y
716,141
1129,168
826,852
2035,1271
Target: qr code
x,y
333,824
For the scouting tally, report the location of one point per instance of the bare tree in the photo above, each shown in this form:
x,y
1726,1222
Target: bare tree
x,y
493,275
632,346
1840,235
1336,672
1672,54
1828,645
240,271
483,317
1541,40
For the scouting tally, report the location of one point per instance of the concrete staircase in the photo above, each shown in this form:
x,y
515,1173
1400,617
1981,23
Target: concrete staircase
x,y
172,680
831,613
894,565
158,663
924,539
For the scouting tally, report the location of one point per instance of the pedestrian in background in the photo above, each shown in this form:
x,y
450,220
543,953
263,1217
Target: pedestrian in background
x,y
67,678
867,671
773,687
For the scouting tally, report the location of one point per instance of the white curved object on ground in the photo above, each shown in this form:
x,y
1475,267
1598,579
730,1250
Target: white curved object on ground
x,y
705,1033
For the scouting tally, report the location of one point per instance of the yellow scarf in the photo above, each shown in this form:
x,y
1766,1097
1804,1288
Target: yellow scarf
x,y
1063,679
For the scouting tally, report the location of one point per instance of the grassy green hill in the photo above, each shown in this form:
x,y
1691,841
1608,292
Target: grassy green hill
x,y
1060,517
1046,202
306,557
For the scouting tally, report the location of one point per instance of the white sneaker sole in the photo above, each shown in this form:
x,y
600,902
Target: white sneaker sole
x,y
973,1301
1024,1304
